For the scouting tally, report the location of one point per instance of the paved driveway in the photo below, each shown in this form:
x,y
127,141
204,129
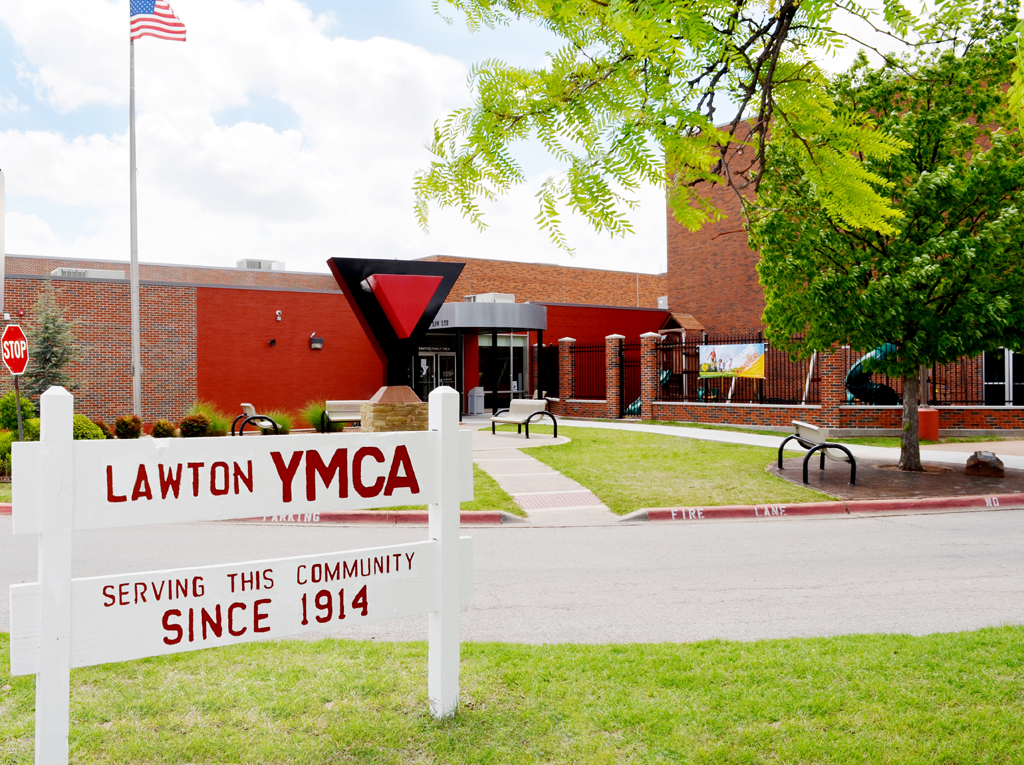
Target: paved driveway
x,y
651,582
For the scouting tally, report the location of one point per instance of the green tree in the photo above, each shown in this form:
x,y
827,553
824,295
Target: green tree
x,y
52,347
948,280
637,94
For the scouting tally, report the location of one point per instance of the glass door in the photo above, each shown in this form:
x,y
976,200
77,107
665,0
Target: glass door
x,y
426,367
446,369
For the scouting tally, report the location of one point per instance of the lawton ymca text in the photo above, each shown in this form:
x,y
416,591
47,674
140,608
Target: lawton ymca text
x,y
301,474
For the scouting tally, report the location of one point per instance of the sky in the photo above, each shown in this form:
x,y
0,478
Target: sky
x,y
287,130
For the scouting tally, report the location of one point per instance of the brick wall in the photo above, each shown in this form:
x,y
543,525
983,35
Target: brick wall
x,y
539,283
712,273
101,315
236,362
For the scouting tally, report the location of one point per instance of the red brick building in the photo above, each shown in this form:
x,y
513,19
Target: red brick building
x,y
233,335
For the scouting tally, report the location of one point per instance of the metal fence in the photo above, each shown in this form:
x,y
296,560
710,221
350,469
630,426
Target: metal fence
x,y
629,382
784,382
959,383
589,366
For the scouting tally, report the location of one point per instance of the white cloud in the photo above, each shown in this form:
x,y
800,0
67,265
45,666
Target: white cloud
x,y
339,184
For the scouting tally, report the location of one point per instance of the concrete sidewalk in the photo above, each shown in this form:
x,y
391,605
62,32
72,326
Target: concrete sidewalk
x,y
1010,452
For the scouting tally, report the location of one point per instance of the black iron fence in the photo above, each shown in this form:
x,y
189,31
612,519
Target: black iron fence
x,y
965,382
784,381
589,366
629,379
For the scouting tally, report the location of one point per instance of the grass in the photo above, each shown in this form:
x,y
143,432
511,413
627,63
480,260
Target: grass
x,y
488,495
947,698
312,413
630,470
894,441
284,420
5,491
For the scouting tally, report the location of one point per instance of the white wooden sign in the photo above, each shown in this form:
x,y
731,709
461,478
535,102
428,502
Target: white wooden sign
x,y
60,485
131,616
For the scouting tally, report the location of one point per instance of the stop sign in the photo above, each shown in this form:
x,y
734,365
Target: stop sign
x,y
15,349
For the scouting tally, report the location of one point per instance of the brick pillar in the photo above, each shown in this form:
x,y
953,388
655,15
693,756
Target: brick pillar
x,y
649,363
833,386
613,375
566,368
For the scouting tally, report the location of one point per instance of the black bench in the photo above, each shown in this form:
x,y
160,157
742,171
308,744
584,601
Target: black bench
x,y
815,439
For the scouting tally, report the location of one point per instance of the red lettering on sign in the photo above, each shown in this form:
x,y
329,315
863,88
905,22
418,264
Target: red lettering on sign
x,y
406,481
111,497
142,594
315,466
141,485
257,617
286,473
349,573
268,580
298,575
329,575
181,588
357,472
231,623
245,477
157,592
122,594
171,481
214,490
172,627
109,595
324,603
360,601
215,625
194,467
191,626
197,587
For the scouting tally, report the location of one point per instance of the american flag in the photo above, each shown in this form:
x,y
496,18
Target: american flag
x,y
155,19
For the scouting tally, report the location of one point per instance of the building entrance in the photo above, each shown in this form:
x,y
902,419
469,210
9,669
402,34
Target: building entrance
x,y
433,370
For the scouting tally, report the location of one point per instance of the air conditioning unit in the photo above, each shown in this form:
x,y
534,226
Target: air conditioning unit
x,y
490,297
87,273
663,302
261,265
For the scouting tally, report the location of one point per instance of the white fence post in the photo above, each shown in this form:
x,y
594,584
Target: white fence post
x,y
53,678
443,630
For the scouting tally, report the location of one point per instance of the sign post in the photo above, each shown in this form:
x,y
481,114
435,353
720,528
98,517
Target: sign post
x,y
15,354
63,485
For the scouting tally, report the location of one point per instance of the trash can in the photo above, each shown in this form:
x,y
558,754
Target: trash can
x,y
476,400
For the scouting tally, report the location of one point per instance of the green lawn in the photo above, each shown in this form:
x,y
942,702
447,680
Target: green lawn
x,y
487,496
5,491
952,698
630,470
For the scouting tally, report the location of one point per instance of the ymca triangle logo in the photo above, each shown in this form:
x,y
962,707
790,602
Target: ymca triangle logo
x,y
404,298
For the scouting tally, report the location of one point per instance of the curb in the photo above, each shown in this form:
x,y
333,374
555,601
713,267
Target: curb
x,y
420,517
980,502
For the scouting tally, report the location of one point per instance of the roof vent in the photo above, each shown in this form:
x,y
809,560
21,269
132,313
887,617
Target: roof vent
x,y
260,265
87,273
490,297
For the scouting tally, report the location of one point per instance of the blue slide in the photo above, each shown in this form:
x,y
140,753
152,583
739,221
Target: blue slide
x,y
859,385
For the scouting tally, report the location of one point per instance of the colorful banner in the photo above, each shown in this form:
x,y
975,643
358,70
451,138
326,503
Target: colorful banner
x,y
743,360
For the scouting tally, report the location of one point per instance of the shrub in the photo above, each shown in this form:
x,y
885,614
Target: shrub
x,y
128,426
8,413
6,439
194,425
219,423
164,429
283,419
107,432
31,429
311,414
85,429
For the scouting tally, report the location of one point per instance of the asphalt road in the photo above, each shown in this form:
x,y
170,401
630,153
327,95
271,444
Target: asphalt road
x,y
651,582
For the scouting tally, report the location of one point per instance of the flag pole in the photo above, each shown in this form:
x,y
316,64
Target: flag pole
x,y
136,343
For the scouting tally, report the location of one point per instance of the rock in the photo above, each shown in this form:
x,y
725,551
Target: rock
x,y
984,463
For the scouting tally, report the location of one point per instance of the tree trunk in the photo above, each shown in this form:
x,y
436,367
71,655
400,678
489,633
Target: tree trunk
x,y
910,444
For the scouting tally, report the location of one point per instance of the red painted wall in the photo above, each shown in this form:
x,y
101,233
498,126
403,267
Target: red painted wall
x,y
593,324
470,366
236,363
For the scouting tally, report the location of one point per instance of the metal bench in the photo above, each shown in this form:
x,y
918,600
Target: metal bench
x,y
249,417
815,439
340,411
521,412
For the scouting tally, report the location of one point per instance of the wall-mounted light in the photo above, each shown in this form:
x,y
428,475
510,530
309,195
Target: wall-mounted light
x,y
279,316
316,343
274,341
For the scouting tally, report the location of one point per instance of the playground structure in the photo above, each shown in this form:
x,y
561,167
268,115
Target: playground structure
x,y
858,380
